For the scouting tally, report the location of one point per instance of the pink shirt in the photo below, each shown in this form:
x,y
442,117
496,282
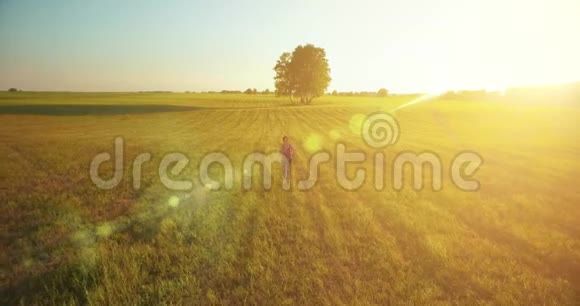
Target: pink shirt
x,y
287,150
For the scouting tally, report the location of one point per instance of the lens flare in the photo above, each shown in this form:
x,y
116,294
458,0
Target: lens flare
x,y
173,201
83,237
210,186
421,99
104,230
313,143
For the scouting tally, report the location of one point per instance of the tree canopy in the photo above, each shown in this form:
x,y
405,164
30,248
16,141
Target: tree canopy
x,y
251,91
382,92
302,74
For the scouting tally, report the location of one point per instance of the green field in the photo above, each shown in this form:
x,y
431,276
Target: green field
x,y
516,241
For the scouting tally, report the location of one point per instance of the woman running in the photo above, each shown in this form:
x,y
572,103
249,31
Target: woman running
x,y
288,151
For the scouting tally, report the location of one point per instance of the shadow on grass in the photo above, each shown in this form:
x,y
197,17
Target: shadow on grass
x,y
87,109
61,286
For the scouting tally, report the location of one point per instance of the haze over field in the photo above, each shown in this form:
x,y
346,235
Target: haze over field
x,y
514,241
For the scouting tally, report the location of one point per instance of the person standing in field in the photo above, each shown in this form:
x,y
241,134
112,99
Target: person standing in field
x,y
288,151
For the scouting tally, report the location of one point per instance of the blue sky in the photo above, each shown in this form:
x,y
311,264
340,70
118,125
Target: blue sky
x,y
405,46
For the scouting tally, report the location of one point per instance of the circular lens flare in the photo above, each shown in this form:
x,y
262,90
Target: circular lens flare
x,y
173,201
313,143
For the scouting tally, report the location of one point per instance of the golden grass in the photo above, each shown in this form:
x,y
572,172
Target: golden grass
x,y
516,241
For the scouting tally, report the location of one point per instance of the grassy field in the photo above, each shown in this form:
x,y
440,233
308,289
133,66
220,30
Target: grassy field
x,y
516,241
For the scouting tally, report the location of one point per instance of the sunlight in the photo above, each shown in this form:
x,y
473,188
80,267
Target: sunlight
x,y
421,99
316,152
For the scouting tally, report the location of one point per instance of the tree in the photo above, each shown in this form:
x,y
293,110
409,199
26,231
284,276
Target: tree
x,y
266,91
382,93
248,91
13,89
304,74
282,79
226,91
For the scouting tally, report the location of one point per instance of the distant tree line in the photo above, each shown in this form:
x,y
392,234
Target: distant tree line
x,y
470,94
249,91
380,93
254,91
